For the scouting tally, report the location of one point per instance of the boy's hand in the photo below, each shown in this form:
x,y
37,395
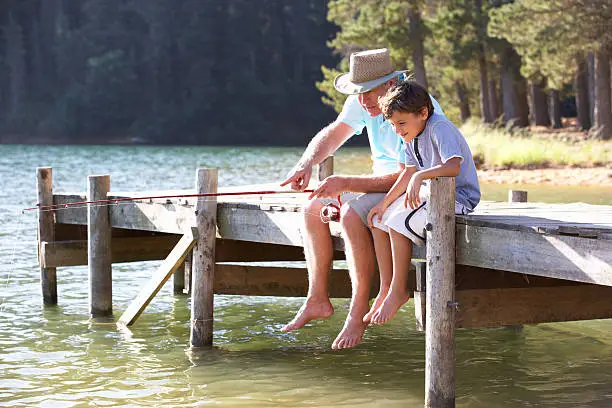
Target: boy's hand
x,y
299,177
378,210
412,197
331,187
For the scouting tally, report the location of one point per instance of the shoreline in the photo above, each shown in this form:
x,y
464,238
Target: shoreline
x,y
569,176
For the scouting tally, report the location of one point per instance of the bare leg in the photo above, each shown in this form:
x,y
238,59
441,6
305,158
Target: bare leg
x,y
398,294
319,256
360,257
382,245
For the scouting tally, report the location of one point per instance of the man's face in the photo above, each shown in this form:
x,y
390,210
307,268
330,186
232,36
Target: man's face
x,y
369,100
407,124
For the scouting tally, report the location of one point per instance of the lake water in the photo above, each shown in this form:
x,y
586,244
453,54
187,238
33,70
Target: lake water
x,y
58,357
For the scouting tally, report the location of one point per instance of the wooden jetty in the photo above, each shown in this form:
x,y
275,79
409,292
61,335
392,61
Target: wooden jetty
x,y
507,264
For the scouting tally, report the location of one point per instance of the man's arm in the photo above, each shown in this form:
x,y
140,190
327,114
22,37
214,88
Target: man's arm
x,y
336,185
325,143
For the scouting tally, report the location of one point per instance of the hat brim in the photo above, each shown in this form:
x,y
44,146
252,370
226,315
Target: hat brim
x,y
345,86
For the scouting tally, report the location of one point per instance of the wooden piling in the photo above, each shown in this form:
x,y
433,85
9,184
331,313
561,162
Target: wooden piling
x,y
46,232
188,269
178,280
440,295
203,263
325,168
99,248
517,196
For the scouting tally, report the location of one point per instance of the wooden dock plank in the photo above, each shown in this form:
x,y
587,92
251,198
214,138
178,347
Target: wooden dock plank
x,y
514,306
163,273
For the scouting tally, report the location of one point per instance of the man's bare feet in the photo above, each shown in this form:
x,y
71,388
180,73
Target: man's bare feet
x,y
310,310
351,333
390,306
382,294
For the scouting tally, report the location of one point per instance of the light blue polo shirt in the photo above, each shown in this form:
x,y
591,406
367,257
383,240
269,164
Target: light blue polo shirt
x,y
386,145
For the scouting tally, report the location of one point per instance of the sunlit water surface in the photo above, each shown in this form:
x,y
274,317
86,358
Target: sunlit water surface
x,y
58,357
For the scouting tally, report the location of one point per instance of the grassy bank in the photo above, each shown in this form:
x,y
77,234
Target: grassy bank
x,y
497,148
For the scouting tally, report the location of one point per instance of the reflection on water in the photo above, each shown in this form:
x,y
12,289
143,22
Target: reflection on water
x,y
58,357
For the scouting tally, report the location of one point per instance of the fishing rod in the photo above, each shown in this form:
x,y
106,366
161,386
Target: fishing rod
x,y
124,199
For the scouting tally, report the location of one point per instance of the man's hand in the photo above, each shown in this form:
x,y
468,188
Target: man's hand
x,y
331,187
378,211
299,177
412,197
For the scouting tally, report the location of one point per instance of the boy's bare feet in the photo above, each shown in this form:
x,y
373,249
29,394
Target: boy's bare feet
x,y
351,333
310,310
382,294
390,306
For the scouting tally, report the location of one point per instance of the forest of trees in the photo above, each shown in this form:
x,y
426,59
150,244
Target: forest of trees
x,y
508,62
244,71
163,71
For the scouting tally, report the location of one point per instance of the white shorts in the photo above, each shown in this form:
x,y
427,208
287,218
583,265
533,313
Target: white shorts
x,y
409,222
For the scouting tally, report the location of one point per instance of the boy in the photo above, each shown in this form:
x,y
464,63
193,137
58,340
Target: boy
x,y
434,147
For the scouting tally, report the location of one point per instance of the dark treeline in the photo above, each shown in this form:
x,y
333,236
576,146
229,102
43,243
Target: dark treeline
x,y
163,71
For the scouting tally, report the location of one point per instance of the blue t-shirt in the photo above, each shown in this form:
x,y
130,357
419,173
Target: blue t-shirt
x,y
439,142
385,144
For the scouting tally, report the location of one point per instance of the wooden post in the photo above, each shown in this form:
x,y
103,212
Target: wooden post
x,y
99,248
178,280
188,269
517,196
440,295
46,232
419,295
326,168
203,264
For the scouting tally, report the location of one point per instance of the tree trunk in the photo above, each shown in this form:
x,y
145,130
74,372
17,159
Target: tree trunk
x,y
539,104
591,85
555,109
602,126
484,88
493,98
514,90
416,37
464,105
581,88
16,63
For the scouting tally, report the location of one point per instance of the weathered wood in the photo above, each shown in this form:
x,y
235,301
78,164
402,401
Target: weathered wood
x,y
556,256
99,248
517,196
46,232
130,249
174,260
516,306
440,295
178,280
325,168
188,273
203,267
420,298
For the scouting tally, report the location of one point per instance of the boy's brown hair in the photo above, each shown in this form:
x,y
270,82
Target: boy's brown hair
x,y
406,96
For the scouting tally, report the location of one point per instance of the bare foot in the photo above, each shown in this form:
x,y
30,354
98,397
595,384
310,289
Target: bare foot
x,y
390,306
311,309
351,333
382,294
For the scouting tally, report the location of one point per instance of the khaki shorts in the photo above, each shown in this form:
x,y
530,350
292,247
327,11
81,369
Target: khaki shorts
x,y
361,203
409,222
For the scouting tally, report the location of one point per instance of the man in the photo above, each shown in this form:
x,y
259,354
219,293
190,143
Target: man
x,y
370,76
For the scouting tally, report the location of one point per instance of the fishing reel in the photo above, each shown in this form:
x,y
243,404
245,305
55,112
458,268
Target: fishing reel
x,y
331,212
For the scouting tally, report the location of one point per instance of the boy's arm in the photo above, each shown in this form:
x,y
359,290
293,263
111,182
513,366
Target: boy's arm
x,y
400,185
449,169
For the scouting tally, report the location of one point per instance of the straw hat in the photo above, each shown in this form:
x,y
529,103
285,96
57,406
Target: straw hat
x,y
368,69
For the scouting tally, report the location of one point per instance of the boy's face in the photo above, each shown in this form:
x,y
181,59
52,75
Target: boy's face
x,y
369,100
408,125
